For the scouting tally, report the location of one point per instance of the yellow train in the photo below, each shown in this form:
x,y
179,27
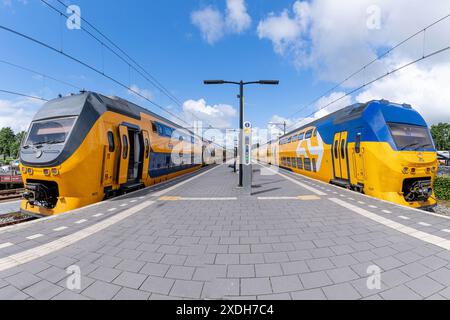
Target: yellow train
x,y
379,148
84,148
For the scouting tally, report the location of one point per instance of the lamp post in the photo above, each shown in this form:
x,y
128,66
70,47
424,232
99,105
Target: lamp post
x,y
241,85
279,124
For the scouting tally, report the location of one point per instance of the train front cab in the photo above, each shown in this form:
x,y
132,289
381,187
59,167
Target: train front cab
x,y
399,166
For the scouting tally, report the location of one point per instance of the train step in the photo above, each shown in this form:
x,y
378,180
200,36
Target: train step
x,y
341,183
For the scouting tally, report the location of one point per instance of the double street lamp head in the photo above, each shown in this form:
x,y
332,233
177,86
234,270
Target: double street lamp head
x,y
213,82
273,82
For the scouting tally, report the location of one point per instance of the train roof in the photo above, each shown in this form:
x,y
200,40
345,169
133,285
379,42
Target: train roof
x,y
74,104
348,113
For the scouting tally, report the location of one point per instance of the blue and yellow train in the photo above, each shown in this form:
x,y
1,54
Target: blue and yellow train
x,y
87,147
379,148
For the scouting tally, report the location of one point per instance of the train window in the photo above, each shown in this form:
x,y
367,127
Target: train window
x,y
111,141
294,162
315,133
300,163
336,152
181,138
294,138
53,131
308,164
301,136
154,128
168,132
308,134
413,137
343,149
147,148
160,129
289,140
125,146
314,169
288,162
358,143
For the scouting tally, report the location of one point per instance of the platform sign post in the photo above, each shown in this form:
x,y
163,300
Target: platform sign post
x,y
247,171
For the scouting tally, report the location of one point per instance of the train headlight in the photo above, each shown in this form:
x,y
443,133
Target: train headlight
x,y
24,170
405,170
433,169
46,172
428,170
30,171
413,170
55,171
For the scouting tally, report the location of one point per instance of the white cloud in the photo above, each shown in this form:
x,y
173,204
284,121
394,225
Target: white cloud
x,y
210,22
18,113
219,115
214,25
237,18
333,39
425,90
140,93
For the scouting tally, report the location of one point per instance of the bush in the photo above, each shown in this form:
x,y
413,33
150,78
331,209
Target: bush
x,y
442,187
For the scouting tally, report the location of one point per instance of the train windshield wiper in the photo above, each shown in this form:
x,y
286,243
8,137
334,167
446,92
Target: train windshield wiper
x,y
423,146
409,145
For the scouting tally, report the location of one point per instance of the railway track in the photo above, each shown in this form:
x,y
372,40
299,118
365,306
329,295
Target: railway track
x,y
10,219
10,194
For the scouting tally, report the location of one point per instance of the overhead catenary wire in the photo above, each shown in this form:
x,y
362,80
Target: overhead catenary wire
x,y
142,72
364,67
48,46
379,78
39,73
22,95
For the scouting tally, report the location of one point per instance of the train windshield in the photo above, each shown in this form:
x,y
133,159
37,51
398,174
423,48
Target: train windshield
x,y
53,131
410,137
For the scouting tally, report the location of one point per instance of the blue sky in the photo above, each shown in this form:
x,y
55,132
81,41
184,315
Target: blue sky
x,y
163,37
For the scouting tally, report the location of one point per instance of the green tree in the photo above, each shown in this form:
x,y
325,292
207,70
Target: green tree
x,y
15,145
441,135
7,138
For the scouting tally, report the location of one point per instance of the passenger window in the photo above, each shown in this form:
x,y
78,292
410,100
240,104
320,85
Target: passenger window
x,y
308,134
154,127
358,143
147,148
343,149
336,152
315,133
160,130
125,146
111,141
300,137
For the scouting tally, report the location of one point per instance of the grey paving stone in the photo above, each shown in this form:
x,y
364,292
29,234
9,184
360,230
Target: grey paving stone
x,y
154,269
131,294
157,285
388,263
69,295
251,258
130,280
255,286
393,278
100,290
210,272
227,259
415,269
43,290
315,279
130,265
276,257
276,296
108,261
343,274
241,271
187,289
286,284
173,259
53,274
220,288
180,272
425,286
342,291
12,293
400,293
319,264
312,294
22,280
62,262
442,276
433,262
105,274
295,267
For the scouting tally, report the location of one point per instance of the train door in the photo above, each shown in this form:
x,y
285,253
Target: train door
x,y
340,156
122,177
135,159
358,159
145,165
109,160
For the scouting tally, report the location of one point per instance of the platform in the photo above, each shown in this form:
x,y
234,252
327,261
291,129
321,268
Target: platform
x,y
200,237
